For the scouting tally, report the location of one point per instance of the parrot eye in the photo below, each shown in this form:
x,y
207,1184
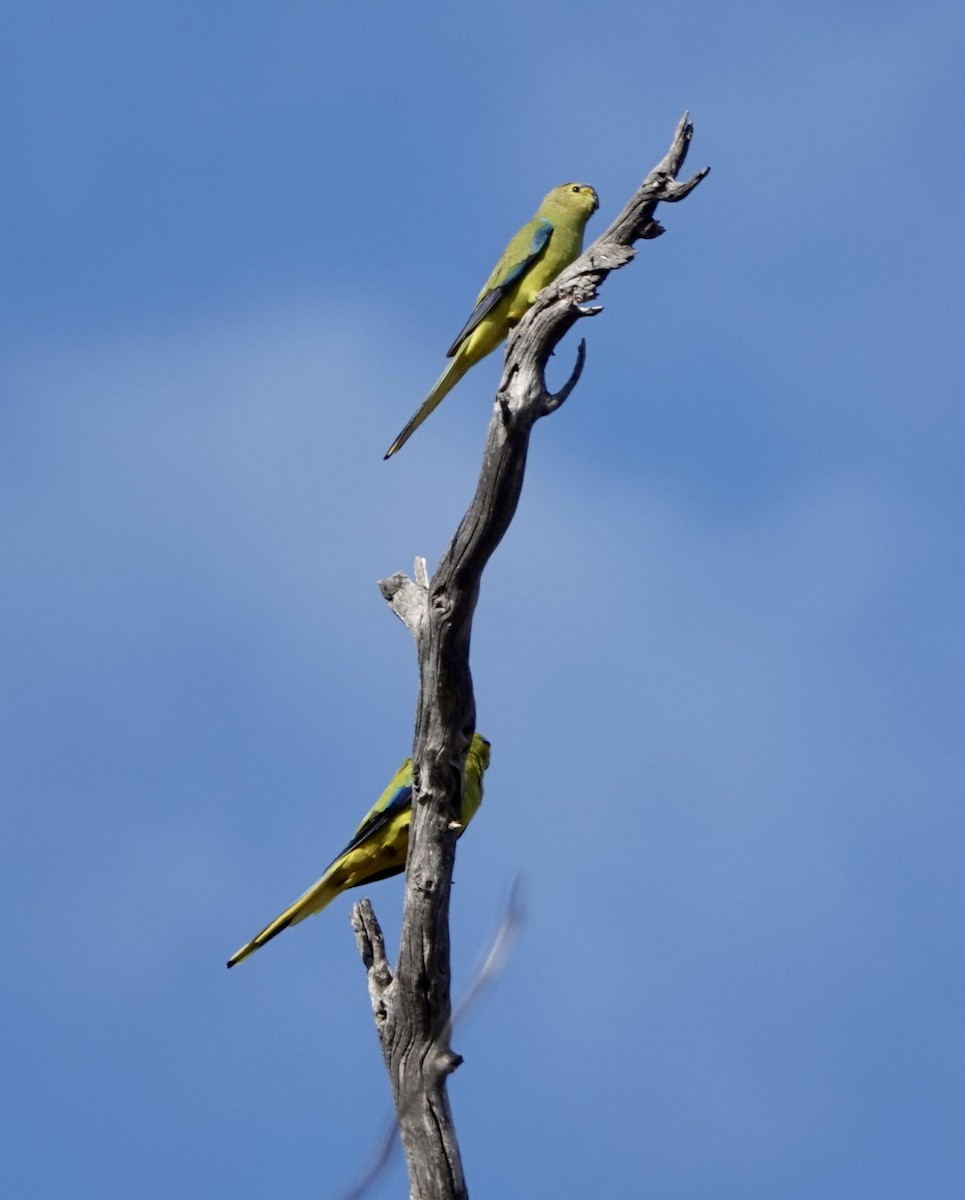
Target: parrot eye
x,y
576,187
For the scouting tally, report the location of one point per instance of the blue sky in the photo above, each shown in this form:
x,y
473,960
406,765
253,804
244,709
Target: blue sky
x,y
718,654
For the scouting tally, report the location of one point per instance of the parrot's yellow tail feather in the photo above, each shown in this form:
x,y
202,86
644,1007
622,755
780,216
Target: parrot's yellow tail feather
x,y
313,901
444,385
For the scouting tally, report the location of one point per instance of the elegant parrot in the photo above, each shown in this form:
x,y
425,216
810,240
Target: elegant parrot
x,y
378,848
534,257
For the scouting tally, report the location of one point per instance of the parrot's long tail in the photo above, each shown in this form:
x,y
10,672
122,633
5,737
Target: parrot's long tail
x,y
313,901
444,385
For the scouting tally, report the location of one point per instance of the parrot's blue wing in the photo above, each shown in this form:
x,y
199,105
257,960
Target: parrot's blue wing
x,y
386,808
537,244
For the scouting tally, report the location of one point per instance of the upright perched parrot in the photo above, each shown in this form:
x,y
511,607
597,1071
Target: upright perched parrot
x,y
378,848
534,257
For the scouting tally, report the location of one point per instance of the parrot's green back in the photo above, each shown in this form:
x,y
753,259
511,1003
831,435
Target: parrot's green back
x,y
534,257
378,847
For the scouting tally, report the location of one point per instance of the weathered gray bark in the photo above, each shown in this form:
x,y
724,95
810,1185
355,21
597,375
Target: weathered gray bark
x,y
412,1006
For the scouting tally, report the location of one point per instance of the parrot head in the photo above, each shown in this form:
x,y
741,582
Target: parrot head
x,y
574,198
479,751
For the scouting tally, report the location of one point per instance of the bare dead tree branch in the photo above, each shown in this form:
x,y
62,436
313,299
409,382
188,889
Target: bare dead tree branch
x,y
412,1008
493,963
